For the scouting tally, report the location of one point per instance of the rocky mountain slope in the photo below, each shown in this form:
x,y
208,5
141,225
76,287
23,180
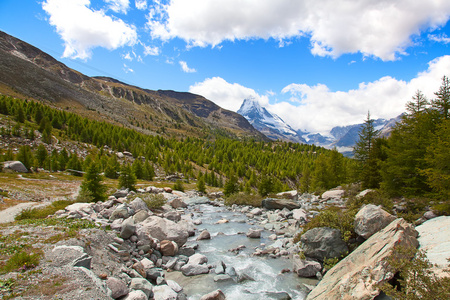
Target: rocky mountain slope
x,y
27,72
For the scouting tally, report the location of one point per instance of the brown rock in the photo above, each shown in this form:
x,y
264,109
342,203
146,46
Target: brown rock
x,y
169,248
215,295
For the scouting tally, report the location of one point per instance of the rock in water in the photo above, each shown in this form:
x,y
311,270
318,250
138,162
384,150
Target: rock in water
x,y
271,203
254,233
204,235
357,276
323,242
215,295
371,219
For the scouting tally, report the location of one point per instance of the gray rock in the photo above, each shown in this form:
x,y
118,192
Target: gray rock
x,y
174,286
83,261
15,166
244,277
430,215
197,259
333,194
154,273
256,211
136,295
362,271
118,287
194,270
222,278
254,233
128,228
173,216
215,295
271,203
164,229
140,216
138,204
371,219
164,292
177,203
220,268
300,215
306,267
231,271
121,193
204,235
143,285
121,212
323,242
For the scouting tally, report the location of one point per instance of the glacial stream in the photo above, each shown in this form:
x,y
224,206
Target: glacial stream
x,y
268,282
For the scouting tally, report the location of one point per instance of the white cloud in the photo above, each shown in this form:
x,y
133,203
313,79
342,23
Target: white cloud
x,y
127,69
380,28
149,50
119,6
127,56
83,29
227,95
185,67
317,109
442,38
141,4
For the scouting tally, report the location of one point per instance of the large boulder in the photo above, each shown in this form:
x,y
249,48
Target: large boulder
x,y
128,228
323,242
271,203
164,229
434,238
138,204
358,275
118,287
333,194
194,270
15,166
371,219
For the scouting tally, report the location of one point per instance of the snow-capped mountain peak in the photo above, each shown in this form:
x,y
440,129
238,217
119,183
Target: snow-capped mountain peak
x,y
266,122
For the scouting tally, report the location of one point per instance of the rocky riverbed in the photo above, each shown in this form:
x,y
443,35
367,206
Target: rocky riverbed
x,y
195,247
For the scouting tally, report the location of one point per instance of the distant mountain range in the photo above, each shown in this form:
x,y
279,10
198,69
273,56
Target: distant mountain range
x,y
341,137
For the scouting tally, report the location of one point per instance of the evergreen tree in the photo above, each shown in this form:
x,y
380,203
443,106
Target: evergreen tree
x,y
305,180
201,187
92,184
74,164
266,185
20,114
231,186
127,180
112,168
149,171
138,168
363,151
442,103
178,186
41,155
25,156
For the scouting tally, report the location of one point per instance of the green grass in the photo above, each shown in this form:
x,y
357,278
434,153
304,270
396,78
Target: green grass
x,y
153,201
21,261
43,212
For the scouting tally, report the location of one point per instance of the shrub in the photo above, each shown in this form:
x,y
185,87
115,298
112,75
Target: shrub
x,y
154,201
178,186
244,199
416,279
334,217
375,197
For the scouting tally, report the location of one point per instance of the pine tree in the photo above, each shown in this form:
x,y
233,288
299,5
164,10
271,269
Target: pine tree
x,y
363,151
201,187
127,180
442,103
231,186
112,167
25,156
92,184
41,155
138,168
149,171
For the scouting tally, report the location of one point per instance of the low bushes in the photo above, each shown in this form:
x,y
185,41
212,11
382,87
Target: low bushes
x,y
244,199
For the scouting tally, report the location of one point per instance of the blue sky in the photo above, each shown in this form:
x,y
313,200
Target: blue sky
x,y
315,63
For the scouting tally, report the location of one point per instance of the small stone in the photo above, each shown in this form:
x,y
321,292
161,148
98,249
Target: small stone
x,y
215,295
204,235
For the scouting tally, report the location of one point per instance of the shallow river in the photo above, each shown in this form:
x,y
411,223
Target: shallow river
x,y
264,270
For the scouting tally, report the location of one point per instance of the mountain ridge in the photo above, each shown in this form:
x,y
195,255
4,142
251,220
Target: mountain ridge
x,y
31,73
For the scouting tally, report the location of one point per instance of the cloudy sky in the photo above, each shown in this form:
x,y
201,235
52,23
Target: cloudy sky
x,y
315,63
